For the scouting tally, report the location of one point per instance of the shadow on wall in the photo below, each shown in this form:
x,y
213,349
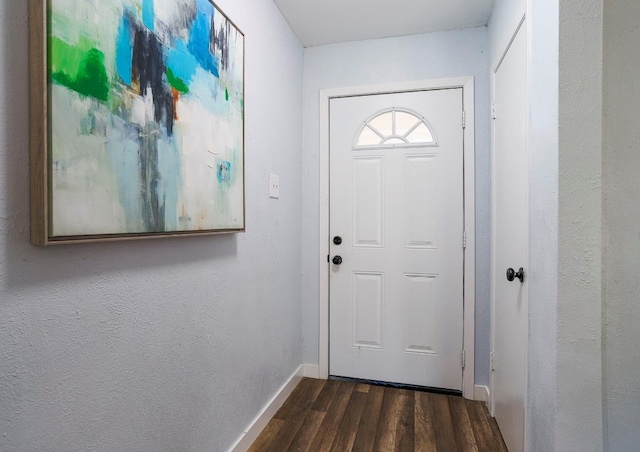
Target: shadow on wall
x,y
28,265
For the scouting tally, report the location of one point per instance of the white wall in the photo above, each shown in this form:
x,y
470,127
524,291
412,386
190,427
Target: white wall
x,y
419,57
579,339
543,17
154,345
621,220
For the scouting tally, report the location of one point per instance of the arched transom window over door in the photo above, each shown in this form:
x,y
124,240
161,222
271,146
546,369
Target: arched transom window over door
x,y
395,127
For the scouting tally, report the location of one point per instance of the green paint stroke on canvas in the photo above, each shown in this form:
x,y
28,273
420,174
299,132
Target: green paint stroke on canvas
x,y
79,68
176,82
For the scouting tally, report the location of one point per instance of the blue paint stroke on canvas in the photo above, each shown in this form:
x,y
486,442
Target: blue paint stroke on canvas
x,y
148,14
224,172
146,117
182,63
124,50
200,38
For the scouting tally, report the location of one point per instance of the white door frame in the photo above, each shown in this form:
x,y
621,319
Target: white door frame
x,y
494,69
467,85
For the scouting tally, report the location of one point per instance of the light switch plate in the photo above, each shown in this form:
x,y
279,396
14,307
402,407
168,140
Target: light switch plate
x,y
274,186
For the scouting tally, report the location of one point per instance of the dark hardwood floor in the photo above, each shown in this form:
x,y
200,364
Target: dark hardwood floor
x,y
326,415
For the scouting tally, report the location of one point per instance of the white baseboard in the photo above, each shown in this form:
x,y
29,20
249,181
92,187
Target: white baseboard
x,y
481,393
311,371
254,429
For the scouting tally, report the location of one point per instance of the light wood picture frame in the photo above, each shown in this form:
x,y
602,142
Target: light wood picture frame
x,y
136,120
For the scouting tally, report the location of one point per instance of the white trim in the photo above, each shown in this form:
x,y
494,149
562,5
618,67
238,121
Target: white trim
x,y
254,429
467,85
494,69
481,393
310,371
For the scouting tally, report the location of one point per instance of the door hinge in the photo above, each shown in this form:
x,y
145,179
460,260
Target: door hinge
x,y
493,110
464,119
464,358
464,240
492,358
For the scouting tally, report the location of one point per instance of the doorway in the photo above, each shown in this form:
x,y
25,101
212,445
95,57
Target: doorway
x,y
510,242
368,282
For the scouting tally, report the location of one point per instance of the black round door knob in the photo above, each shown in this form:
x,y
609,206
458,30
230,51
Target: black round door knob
x,y
337,240
337,260
512,274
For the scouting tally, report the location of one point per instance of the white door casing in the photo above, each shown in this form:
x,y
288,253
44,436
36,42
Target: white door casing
x,y
466,84
510,241
396,299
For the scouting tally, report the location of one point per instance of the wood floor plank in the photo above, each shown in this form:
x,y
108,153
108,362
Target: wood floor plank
x,y
339,416
348,427
302,391
389,420
329,427
441,415
326,395
485,439
502,447
295,415
465,439
307,431
425,435
287,433
263,442
367,428
405,436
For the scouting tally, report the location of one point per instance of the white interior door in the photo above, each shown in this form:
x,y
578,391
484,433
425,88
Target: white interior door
x,y
396,227
510,242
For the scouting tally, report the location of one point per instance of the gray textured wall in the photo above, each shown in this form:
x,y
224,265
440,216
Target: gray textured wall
x,y
543,196
160,345
420,57
621,226
579,321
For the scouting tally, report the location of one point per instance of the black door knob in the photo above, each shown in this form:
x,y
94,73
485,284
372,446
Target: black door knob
x,y
337,260
337,240
512,274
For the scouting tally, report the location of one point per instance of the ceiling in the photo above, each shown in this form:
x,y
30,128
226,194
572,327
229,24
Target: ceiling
x,y
318,22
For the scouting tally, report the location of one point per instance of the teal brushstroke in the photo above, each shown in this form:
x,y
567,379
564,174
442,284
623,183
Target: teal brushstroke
x,y
209,92
124,51
148,14
200,38
170,169
183,65
224,172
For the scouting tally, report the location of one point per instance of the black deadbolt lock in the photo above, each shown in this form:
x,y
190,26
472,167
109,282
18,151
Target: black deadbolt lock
x,y
337,240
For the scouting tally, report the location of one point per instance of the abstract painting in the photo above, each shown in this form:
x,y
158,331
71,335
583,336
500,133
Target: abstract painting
x,y
144,119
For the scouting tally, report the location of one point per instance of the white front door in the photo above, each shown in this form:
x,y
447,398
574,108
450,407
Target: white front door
x,y
510,243
396,238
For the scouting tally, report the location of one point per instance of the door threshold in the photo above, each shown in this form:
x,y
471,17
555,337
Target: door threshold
x,y
443,391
